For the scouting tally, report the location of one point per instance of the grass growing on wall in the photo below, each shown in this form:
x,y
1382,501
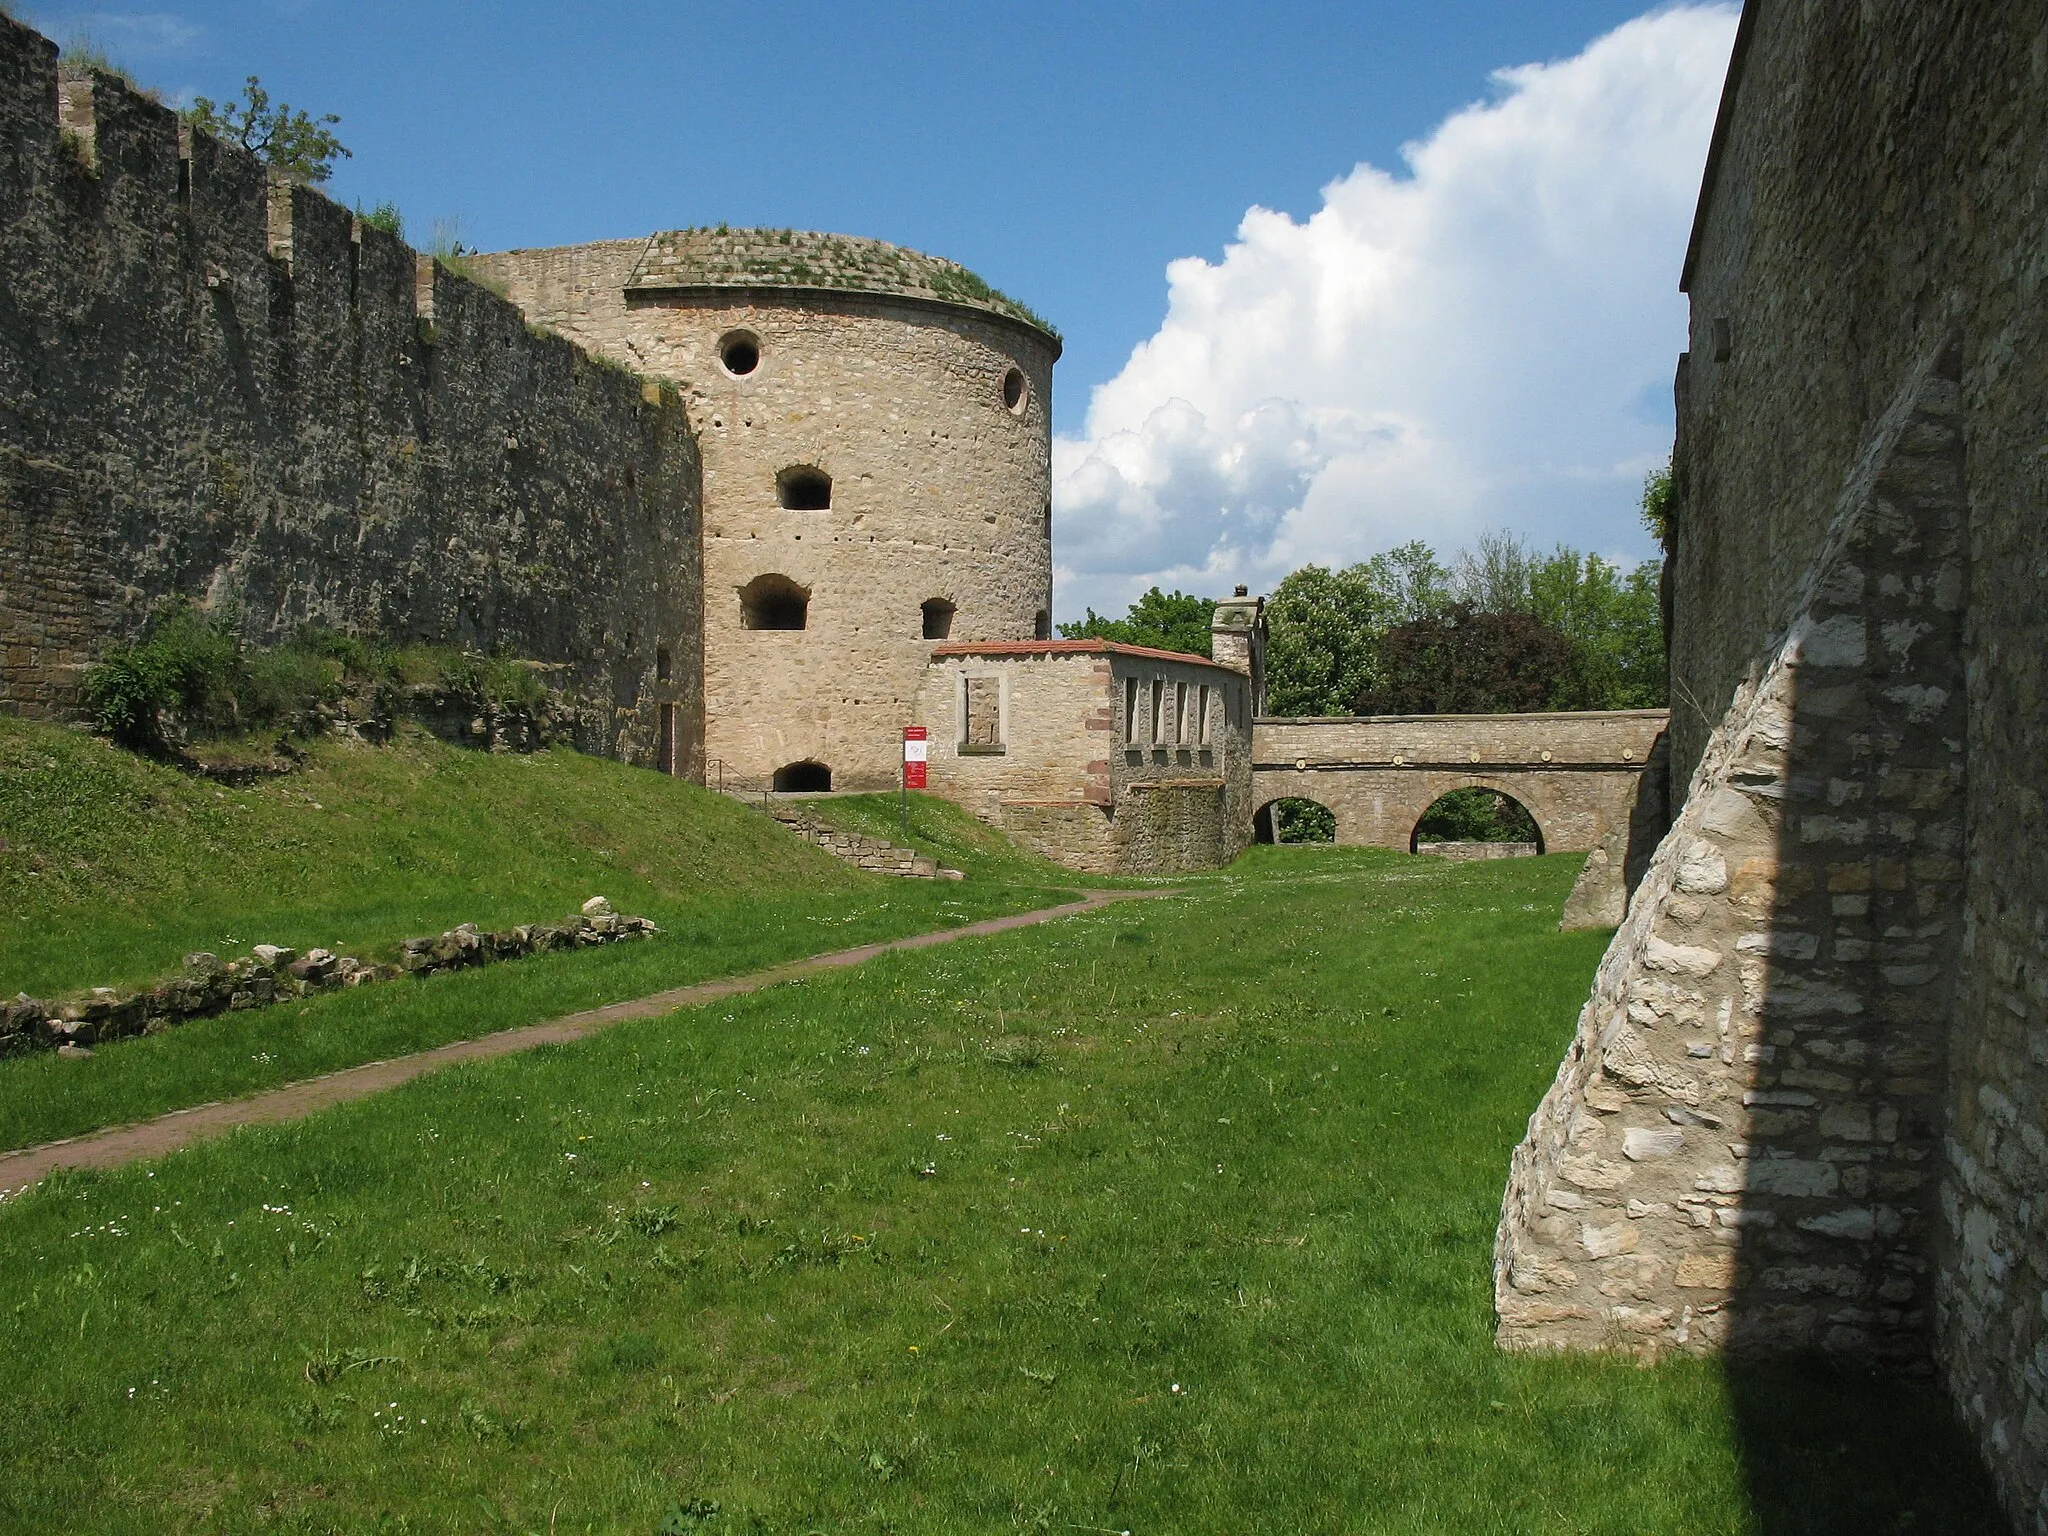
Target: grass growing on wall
x,y
1177,1218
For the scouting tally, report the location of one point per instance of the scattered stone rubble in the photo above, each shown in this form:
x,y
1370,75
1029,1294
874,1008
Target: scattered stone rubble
x,y
870,853
272,974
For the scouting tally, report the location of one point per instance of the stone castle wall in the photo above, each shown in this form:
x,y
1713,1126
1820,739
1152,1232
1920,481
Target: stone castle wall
x,y
220,389
939,489
1872,202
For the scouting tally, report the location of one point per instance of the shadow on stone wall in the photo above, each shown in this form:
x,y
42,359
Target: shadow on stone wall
x,y
1853,830
1742,1149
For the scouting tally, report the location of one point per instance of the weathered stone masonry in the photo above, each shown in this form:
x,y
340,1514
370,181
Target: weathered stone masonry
x,y
1576,773
1867,281
215,387
1105,757
1739,1148
923,401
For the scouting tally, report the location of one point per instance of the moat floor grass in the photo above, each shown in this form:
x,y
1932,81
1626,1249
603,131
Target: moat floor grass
x,y
1174,1218
112,868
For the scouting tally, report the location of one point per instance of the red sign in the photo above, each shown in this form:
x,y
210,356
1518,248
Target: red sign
x,y
914,747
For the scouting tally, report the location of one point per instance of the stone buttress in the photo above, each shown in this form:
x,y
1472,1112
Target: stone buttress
x,y
1740,1148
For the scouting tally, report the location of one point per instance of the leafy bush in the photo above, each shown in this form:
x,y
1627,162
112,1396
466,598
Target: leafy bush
x,y
188,663
1462,662
1658,491
191,675
384,216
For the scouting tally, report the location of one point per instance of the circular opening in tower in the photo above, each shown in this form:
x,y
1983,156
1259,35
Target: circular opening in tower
x,y
1014,391
740,352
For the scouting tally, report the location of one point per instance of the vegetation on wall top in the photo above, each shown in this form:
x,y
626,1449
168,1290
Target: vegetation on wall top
x,y
191,676
720,256
296,144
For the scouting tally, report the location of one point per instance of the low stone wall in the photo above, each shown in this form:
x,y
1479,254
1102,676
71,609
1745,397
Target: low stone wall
x,y
874,854
272,974
1461,852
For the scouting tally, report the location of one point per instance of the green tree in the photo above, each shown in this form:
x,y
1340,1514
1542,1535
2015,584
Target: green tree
x,y
1611,616
300,146
1460,661
1322,637
1414,582
1166,621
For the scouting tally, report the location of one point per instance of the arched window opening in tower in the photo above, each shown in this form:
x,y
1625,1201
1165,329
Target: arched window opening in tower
x,y
802,488
774,602
740,352
805,778
1041,627
938,618
1015,392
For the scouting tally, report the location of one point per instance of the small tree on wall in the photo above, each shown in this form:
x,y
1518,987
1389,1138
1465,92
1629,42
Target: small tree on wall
x,y
295,143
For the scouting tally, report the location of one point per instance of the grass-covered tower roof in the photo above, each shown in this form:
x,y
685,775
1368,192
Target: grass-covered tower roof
x,y
723,257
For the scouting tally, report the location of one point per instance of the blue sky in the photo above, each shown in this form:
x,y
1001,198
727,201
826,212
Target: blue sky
x,y
1068,152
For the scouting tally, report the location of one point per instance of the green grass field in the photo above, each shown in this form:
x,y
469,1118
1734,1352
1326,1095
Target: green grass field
x,y
112,867
1175,1218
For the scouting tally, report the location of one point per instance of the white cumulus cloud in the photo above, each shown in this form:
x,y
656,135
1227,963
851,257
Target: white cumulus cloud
x,y
1484,341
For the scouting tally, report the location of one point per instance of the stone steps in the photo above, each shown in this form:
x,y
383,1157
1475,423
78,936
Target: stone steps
x,y
869,853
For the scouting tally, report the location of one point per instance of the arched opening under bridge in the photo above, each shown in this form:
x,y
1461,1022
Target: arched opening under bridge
x,y
1477,814
1294,820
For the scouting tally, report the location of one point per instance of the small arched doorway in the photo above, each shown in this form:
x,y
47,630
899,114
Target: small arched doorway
x,y
1477,814
804,778
1292,819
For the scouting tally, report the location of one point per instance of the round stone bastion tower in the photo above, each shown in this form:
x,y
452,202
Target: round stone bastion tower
x,y
875,427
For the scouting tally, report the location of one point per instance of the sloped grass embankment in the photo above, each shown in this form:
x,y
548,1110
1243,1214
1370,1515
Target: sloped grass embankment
x,y
1174,1218
113,867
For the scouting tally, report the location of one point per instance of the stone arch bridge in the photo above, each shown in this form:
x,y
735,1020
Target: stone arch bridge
x,y
1577,774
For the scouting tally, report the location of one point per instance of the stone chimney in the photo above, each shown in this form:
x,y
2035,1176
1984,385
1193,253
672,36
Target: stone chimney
x,y
1237,639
